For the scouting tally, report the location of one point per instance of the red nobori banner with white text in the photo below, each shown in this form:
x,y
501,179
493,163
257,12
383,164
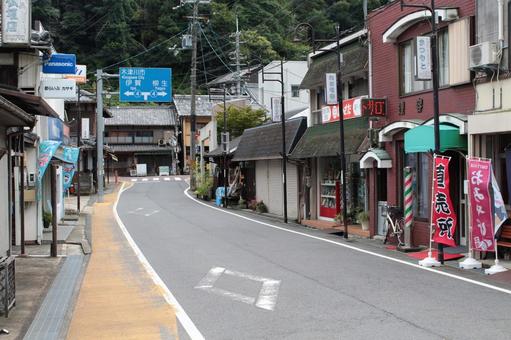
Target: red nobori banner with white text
x,y
481,212
443,215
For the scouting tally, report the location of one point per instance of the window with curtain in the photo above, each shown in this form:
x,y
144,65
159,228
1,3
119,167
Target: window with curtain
x,y
407,65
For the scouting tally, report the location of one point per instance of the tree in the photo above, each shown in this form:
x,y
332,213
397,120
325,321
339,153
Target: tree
x,y
241,118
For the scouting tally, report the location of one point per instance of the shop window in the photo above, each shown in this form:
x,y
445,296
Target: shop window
x,y
421,167
407,65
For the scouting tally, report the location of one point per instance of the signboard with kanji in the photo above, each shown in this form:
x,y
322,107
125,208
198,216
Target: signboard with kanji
x,y
443,216
16,22
145,84
481,210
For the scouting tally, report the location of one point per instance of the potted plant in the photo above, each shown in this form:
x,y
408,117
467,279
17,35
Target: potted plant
x,y
46,219
363,219
261,207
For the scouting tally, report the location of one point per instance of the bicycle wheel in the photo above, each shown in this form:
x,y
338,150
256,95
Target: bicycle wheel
x,y
400,228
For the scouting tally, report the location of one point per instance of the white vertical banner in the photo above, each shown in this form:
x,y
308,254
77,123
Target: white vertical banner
x,y
85,128
276,109
331,89
423,58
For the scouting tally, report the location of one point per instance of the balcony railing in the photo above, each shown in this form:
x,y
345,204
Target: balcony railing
x,y
130,140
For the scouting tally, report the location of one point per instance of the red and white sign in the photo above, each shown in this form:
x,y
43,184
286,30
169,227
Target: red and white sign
x,y
481,214
443,216
352,108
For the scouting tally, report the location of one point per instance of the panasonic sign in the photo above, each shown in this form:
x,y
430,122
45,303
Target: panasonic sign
x,y
60,63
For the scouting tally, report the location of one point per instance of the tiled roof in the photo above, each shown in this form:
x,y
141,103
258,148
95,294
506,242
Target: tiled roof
x,y
141,116
140,148
204,106
265,141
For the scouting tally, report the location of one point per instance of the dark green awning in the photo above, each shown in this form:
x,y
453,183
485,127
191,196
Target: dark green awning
x,y
324,140
422,139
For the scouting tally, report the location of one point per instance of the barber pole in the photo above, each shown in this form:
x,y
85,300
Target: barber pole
x,y
408,214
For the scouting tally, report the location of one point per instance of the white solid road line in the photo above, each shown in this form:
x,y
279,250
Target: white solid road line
x,y
181,315
368,252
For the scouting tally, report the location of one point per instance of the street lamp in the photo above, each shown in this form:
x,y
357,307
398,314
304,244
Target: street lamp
x,y
436,105
309,28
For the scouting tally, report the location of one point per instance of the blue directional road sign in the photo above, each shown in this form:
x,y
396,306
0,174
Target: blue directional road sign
x,y
142,85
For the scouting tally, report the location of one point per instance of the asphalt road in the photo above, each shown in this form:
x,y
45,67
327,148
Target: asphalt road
x,y
238,279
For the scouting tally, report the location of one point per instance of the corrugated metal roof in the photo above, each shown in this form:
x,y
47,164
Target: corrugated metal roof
x,y
355,58
323,140
265,142
141,116
140,148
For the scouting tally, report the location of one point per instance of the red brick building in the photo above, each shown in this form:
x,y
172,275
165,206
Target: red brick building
x,y
410,104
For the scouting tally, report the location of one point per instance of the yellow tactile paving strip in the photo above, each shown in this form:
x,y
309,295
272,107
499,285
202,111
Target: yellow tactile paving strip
x,y
118,299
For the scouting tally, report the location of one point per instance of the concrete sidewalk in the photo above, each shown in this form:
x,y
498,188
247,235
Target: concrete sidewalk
x,y
118,299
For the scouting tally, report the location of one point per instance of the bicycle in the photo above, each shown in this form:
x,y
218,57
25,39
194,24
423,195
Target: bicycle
x,y
394,219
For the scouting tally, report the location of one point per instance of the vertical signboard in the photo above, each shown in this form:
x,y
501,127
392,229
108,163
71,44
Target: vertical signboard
x,y
16,22
423,58
85,128
331,89
276,109
443,216
481,210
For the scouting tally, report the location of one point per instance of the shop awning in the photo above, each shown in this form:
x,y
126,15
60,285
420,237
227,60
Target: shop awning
x,y
421,139
323,140
382,158
29,103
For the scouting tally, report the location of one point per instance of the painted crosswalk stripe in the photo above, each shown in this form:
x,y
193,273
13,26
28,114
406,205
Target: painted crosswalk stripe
x,y
167,179
145,179
178,178
156,179
133,179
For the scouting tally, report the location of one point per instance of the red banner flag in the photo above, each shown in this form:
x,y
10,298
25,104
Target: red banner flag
x,y
481,210
443,215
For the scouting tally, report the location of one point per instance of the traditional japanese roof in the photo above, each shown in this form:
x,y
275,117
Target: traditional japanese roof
x,y
141,116
140,148
323,140
204,104
265,142
231,78
233,146
12,115
355,63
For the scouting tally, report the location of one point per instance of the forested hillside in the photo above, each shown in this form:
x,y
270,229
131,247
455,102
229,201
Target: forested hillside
x,y
106,32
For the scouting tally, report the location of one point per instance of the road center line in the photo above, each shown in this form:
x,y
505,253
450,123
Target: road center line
x,y
368,252
185,320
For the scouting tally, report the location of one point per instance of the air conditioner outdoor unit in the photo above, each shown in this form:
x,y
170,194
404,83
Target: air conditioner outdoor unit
x,y
484,56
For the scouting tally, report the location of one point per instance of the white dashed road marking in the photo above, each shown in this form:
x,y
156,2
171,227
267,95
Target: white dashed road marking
x,y
267,298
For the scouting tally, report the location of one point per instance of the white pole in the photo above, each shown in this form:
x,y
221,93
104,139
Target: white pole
x,y
430,261
470,262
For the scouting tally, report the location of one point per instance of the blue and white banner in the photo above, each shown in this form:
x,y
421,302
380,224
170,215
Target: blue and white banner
x,y
499,206
70,157
47,149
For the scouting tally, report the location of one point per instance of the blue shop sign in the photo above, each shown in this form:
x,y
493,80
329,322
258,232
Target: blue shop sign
x,y
60,63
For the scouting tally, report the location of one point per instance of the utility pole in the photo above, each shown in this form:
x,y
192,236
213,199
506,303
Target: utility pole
x,y
100,124
283,122
193,105
226,150
436,86
79,144
238,60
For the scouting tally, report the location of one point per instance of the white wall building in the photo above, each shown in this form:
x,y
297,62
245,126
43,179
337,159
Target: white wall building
x,y
296,99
